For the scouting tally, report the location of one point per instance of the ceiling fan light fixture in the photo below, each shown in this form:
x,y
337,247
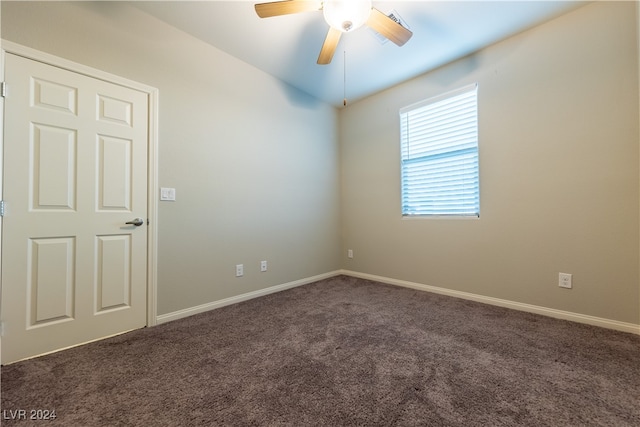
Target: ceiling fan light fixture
x,y
346,15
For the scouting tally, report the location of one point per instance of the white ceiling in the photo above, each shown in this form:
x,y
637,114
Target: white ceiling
x,y
287,47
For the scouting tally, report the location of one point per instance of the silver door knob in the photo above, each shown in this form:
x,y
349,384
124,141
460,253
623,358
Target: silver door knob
x,y
137,222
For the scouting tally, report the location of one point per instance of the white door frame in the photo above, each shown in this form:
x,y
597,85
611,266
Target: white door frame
x,y
152,159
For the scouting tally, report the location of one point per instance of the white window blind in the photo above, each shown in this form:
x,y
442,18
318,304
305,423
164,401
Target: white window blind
x,y
439,142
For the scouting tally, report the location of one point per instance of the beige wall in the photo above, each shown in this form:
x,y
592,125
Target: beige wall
x,y
254,162
558,129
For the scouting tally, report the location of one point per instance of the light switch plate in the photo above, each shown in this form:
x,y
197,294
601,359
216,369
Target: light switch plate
x,y
168,194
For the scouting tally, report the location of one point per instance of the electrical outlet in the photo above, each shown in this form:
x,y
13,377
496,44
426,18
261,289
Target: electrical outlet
x,y
349,253
239,270
564,280
263,265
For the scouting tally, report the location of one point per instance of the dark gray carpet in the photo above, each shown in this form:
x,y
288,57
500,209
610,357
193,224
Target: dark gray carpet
x,y
340,352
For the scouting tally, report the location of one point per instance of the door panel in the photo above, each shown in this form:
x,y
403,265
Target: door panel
x,y
51,283
53,167
75,171
115,110
114,173
113,284
54,96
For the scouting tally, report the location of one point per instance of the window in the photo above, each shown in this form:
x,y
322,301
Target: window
x,y
439,142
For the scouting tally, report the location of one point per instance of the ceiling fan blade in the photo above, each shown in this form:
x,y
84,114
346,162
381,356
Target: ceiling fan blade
x,y
329,46
287,7
388,27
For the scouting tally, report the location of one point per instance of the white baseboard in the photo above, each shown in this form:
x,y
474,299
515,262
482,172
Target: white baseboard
x,y
551,312
164,318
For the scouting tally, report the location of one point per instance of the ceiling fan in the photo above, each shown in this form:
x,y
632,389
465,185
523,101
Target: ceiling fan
x,y
343,16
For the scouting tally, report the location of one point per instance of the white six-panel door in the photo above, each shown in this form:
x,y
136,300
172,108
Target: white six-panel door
x,y
75,172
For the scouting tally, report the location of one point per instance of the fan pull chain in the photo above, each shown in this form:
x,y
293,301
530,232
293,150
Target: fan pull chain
x,y
344,82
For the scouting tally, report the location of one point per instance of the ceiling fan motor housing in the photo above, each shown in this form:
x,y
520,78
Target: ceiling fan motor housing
x,y
346,15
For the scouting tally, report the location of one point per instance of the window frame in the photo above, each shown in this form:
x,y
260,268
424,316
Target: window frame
x,y
454,151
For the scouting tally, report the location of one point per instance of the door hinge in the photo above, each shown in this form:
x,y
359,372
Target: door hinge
x,y
3,89
1,208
